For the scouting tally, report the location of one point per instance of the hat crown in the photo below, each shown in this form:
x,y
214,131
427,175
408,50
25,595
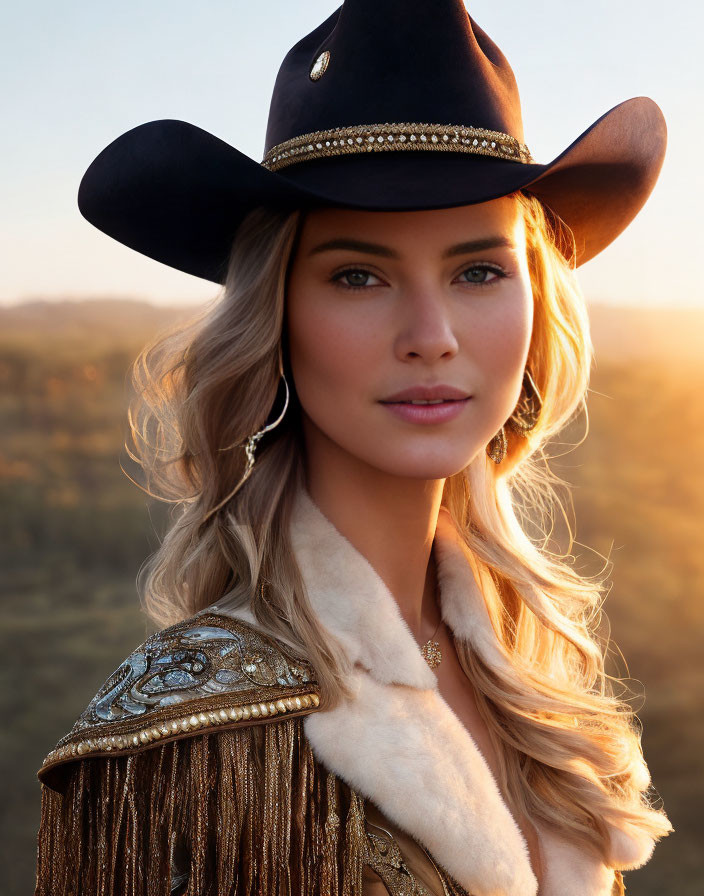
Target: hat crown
x,y
391,61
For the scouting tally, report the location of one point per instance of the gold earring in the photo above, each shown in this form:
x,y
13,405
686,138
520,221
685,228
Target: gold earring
x,y
530,403
250,446
522,420
497,447
251,443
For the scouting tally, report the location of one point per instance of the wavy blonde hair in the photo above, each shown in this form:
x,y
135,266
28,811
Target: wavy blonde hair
x,y
569,748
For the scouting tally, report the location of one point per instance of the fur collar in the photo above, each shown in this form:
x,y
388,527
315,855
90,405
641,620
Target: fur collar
x,y
398,742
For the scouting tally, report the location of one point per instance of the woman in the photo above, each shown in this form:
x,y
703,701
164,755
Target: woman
x,y
366,677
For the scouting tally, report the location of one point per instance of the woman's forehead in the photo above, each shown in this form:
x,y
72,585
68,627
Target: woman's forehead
x,y
328,228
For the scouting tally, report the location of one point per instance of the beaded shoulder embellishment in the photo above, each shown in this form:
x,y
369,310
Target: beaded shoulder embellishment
x,y
391,136
207,671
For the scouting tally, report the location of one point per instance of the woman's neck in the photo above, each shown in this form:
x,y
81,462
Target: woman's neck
x,y
391,521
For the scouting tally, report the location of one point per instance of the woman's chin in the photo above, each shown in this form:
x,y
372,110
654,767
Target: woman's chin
x,y
418,467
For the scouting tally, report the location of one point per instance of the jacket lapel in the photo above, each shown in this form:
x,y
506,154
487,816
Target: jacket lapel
x,y
398,742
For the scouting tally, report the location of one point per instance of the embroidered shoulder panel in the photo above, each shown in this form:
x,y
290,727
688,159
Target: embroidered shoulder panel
x,y
205,672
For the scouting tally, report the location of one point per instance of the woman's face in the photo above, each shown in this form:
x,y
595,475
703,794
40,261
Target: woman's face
x,y
384,302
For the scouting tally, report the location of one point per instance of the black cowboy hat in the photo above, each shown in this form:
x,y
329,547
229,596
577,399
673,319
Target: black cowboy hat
x,y
388,105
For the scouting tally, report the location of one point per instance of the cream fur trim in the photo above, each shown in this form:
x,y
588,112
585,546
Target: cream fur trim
x,y
399,743
407,751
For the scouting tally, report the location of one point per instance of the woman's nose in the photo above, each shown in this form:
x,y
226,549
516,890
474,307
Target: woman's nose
x,y
426,327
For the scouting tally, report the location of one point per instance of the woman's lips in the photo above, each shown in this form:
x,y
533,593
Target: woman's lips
x,y
427,413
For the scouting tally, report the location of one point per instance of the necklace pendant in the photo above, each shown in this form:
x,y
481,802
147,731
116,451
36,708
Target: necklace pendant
x,y
432,653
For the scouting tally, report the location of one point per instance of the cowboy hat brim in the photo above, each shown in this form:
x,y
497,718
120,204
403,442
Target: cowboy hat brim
x,y
177,193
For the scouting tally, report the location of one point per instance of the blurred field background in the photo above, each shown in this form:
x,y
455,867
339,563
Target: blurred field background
x,y
74,531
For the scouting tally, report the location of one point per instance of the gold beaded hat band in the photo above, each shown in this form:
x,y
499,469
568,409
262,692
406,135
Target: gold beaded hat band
x,y
400,137
384,106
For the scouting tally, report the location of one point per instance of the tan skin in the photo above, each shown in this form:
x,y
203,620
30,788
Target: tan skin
x,y
363,323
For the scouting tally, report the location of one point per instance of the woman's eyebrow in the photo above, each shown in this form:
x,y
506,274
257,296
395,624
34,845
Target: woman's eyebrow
x,y
489,242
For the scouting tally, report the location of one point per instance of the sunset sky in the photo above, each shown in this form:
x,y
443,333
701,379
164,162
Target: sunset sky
x,y
77,75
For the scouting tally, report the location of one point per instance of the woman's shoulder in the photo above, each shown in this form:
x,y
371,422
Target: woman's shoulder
x,y
209,672
185,767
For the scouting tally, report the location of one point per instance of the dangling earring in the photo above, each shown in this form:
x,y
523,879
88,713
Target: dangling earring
x,y
250,445
522,420
527,411
497,447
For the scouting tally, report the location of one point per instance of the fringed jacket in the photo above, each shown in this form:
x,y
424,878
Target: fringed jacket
x,y
204,766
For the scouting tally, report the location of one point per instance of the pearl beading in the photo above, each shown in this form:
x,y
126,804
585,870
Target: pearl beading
x,y
171,728
390,136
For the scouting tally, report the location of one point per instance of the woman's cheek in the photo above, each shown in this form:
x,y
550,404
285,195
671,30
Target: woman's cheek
x,y
500,347
331,358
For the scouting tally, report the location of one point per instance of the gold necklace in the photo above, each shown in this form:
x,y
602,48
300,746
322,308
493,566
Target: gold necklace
x,y
431,650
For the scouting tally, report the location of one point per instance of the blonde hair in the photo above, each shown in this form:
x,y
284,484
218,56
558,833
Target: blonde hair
x,y
569,749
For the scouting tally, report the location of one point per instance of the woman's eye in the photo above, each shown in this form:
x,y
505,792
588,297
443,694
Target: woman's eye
x,y
478,274
353,278
358,278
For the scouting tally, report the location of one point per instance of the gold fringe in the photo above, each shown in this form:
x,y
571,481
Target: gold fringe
x,y
240,811
245,810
